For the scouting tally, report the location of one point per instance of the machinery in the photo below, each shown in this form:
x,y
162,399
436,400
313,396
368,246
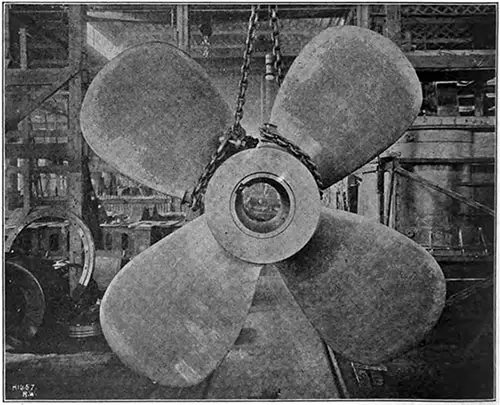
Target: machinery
x,y
175,310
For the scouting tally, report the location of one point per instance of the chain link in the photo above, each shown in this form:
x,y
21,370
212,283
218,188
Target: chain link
x,y
235,138
235,141
276,45
245,68
269,133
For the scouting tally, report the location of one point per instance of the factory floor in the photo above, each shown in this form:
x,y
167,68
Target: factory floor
x,y
454,362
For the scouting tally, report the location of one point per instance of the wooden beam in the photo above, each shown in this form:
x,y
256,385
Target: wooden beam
x,y
476,124
55,169
453,60
446,161
434,65
465,19
32,77
36,150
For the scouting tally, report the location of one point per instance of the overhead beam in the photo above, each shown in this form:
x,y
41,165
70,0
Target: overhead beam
x,y
476,124
453,59
428,62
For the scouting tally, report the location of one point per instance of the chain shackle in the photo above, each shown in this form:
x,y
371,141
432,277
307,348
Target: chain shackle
x,y
278,68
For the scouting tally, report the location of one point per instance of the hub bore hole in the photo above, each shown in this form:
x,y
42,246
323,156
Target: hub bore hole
x,y
262,205
261,201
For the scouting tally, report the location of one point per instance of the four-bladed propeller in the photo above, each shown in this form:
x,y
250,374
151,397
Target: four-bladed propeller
x,y
174,311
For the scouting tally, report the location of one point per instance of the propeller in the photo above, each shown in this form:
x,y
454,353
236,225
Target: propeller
x,y
175,310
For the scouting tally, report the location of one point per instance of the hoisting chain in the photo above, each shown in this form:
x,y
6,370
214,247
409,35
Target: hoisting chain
x,y
276,45
269,133
235,138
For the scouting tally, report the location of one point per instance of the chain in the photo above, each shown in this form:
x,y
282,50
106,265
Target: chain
x,y
269,133
235,138
276,45
245,68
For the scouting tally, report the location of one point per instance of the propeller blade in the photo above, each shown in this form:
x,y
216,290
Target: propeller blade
x,y
371,292
347,97
153,113
175,310
278,354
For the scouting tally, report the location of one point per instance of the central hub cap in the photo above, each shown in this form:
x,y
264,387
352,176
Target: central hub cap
x,y
262,205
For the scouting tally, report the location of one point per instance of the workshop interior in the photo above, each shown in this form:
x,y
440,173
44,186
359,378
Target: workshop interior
x,y
220,201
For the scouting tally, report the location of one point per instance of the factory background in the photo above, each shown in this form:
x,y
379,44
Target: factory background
x,y
71,221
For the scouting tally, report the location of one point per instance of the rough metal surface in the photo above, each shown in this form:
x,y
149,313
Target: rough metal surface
x,y
370,292
154,115
174,311
348,96
304,207
278,354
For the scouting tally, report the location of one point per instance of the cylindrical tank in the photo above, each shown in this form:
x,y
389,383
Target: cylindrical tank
x,y
430,217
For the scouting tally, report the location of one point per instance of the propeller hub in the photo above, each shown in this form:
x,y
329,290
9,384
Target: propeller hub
x,y
263,205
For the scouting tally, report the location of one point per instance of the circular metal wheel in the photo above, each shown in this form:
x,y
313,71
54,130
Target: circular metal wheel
x,y
263,205
82,229
24,302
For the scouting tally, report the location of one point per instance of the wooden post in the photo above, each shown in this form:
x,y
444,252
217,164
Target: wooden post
x,y
23,48
183,27
75,140
381,190
392,26
363,16
6,37
25,164
479,99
